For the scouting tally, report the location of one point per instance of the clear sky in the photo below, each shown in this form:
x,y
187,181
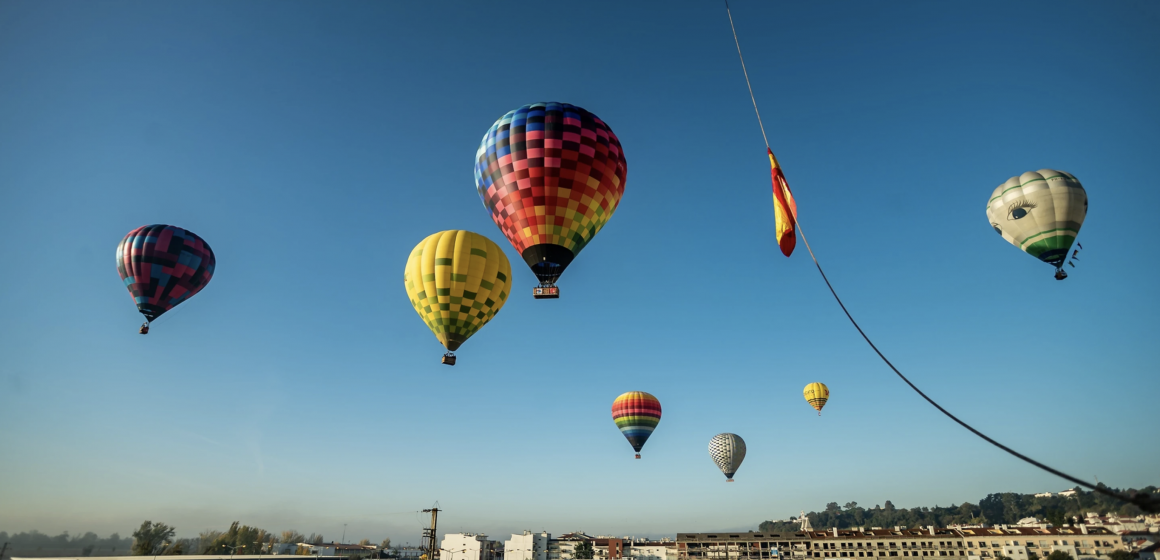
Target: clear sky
x,y
313,144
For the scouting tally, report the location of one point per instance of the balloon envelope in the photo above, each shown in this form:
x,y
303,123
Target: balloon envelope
x,y
816,394
457,281
727,450
551,175
1040,212
637,414
163,266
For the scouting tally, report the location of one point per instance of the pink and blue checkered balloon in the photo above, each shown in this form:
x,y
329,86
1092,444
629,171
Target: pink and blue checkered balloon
x,y
163,266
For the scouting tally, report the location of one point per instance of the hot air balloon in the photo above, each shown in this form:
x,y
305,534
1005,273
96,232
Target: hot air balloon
x,y
163,266
637,414
727,450
457,281
1040,212
817,394
551,175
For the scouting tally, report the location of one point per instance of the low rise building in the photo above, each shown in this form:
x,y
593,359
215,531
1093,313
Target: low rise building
x,y
564,547
1020,543
749,545
467,546
651,550
977,543
527,546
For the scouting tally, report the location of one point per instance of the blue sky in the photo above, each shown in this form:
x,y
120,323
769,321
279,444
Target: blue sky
x,y
314,144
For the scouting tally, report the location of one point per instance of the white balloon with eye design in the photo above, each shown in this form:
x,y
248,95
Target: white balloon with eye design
x,y
1040,212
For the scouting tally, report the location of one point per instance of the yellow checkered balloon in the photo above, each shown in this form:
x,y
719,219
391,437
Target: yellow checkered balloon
x,y
457,281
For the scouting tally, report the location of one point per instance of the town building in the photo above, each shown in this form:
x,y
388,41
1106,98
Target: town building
x,y
564,548
467,546
1016,543
652,550
1021,542
698,546
528,546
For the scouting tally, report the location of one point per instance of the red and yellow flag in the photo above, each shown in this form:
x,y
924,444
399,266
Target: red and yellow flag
x,y
784,209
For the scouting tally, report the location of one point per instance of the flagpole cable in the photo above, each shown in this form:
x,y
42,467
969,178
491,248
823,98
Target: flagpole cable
x,y
1143,501
746,72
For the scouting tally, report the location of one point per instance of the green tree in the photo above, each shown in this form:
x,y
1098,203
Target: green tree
x,y
1114,555
151,538
1061,555
584,551
385,544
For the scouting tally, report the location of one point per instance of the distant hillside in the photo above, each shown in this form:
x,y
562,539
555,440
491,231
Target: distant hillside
x,y
995,509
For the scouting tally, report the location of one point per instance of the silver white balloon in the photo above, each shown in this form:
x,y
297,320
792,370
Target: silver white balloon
x,y
727,450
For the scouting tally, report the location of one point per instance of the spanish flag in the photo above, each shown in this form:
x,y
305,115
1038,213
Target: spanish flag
x,y
784,208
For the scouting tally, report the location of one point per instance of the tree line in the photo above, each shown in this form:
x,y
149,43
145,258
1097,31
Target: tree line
x,y
35,543
995,509
158,539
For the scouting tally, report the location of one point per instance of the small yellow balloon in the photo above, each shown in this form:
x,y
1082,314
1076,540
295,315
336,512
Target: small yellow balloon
x,y
457,281
817,394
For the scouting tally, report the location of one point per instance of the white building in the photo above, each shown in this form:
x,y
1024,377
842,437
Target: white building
x,y
528,546
646,550
466,546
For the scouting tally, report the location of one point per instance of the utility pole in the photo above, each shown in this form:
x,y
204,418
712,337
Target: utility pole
x,y
430,542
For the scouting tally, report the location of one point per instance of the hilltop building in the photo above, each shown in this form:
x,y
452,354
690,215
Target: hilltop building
x,y
1016,543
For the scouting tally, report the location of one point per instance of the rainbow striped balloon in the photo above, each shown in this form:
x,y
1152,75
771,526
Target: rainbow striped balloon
x,y
637,414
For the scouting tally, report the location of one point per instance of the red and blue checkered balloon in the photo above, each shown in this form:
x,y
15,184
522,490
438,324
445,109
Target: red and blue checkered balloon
x,y
163,266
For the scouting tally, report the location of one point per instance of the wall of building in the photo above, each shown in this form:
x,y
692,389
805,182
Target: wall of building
x,y
527,546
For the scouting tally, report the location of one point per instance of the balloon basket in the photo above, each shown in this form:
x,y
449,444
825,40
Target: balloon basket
x,y
144,328
546,292
638,455
728,480
449,359
1060,274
